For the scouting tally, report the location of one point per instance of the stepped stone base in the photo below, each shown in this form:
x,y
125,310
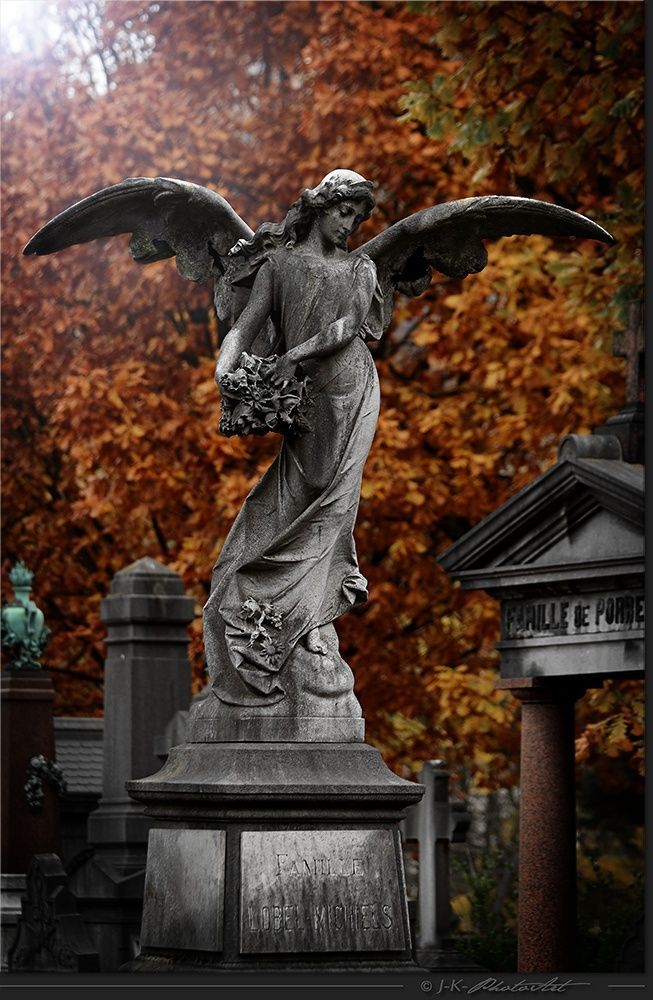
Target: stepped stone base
x,y
274,856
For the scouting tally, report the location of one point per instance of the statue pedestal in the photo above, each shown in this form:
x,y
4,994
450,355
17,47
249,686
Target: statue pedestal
x,y
274,856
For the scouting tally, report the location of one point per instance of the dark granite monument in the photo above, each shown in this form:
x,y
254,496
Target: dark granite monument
x,y
275,839
565,557
146,680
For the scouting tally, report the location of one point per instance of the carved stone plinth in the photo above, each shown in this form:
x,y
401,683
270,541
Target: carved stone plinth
x,y
274,856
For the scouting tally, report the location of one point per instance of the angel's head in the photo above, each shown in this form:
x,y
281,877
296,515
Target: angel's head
x,y
340,202
338,186
337,206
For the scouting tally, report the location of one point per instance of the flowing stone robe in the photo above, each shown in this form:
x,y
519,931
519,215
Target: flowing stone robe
x,y
290,552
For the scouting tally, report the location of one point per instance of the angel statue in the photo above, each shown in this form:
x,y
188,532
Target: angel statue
x,y
296,361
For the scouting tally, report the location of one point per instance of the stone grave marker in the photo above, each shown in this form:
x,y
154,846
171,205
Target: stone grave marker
x,y
147,680
435,823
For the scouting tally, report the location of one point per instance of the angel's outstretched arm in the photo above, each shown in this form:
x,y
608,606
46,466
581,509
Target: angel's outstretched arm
x,y
343,330
248,325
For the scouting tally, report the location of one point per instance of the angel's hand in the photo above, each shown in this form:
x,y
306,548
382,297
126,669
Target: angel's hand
x,y
285,365
222,368
225,366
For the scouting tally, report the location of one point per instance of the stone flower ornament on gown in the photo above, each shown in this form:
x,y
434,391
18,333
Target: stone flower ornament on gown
x,y
296,360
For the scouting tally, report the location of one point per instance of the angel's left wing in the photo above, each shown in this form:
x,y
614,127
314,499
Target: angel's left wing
x,y
450,238
167,217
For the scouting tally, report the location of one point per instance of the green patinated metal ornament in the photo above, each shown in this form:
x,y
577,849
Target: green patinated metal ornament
x,y
24,634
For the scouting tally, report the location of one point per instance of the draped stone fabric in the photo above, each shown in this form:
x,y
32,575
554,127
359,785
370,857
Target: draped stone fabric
x,y
289,562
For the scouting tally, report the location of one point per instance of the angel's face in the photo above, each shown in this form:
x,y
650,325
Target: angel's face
x,y
338,222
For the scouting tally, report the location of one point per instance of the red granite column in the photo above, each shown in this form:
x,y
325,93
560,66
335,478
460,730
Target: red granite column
x,y
547,824
27,731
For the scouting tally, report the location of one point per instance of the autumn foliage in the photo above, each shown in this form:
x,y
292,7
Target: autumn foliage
x,y
111,444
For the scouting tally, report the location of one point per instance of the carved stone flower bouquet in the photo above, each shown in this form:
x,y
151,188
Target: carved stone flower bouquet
x,y
256,400
260,619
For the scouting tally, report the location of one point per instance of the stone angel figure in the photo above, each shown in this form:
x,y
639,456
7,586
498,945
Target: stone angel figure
x,y
296,360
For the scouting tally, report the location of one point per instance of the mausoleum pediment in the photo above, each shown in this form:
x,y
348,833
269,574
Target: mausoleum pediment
x,y
566,558
582,519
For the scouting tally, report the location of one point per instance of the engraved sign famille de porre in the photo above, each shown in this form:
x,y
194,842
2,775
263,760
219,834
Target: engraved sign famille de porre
x,y
573,615
320,890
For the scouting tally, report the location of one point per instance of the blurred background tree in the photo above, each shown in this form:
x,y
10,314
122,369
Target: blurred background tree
x,y
111,449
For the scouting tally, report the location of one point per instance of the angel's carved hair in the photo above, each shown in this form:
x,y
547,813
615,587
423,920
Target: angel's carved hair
x,y
339,185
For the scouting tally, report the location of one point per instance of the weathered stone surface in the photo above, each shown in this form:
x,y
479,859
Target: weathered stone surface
x,y
587,633
320,891
262,778
286,729
184,890
579,615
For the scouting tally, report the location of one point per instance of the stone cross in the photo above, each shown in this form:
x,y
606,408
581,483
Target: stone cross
x,y
51,936
435,823
629,344
628,424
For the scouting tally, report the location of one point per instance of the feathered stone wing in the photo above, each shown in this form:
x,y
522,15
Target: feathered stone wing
x,y
450,238
166,217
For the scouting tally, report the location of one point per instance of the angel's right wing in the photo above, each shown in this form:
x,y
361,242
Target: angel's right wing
x,y
166,217
450,237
